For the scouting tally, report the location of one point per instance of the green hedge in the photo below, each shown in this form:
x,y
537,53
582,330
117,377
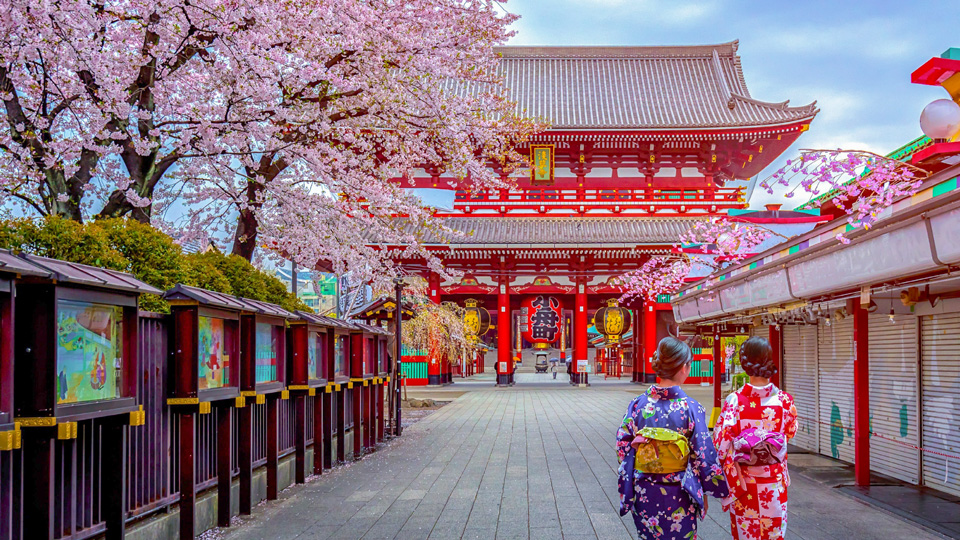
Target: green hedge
x,y
147,253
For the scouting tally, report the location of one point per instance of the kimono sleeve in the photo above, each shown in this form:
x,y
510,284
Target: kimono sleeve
x,y
703,456
727,428
789,415
627,431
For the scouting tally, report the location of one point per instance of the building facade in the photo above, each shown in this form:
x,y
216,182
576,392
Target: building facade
x,y
643,142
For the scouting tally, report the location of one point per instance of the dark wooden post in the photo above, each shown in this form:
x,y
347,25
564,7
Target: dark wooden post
x,y
342,425
380,411
39,460
245,457
861,393
248,376
273,407
224,470
397,359
114,451
300,437
319,424
188,483
369,433
357,422
327,427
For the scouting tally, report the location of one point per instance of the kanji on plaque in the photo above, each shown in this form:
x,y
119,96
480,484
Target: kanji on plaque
x,y
540,318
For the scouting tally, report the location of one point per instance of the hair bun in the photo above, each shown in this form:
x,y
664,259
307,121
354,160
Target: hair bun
x,y
756,358
670,357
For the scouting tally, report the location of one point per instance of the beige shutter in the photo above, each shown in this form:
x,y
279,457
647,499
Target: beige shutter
x,y
835,356
799,379
940,400
893,397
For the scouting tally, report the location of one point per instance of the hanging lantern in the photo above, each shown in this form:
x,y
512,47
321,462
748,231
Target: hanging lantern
x,y
475,318
540,318
612,321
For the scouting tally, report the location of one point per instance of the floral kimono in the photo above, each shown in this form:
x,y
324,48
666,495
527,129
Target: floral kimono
x,y
758,493
667,506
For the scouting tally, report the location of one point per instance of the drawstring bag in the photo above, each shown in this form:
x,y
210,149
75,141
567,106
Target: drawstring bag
x,y
660,451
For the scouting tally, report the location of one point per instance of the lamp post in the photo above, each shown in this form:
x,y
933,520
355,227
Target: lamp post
x,y
395,376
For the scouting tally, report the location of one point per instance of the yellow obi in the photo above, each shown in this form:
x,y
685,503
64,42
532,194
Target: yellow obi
x,y
665,451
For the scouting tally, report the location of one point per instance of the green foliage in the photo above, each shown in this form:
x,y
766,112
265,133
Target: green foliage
x,y
64,239
145,252
247,281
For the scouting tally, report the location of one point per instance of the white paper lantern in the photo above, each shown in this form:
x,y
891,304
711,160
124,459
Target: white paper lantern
x,y
940,119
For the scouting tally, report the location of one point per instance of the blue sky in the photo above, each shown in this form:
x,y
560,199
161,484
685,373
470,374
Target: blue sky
x,y
853,57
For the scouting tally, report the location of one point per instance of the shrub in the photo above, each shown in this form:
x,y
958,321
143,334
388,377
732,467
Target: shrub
x,y
147,253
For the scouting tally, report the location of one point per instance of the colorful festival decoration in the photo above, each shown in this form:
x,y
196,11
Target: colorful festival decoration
x,y
475,318
612,321
540,318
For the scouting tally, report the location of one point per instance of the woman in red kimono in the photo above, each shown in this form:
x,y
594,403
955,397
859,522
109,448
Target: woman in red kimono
x,y
751,437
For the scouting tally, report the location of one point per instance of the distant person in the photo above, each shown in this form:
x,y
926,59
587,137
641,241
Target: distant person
x,y
668,463
751,436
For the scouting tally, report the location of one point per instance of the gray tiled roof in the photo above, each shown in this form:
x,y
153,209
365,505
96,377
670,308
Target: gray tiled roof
x,y
638,87
561,231
82,274
222,300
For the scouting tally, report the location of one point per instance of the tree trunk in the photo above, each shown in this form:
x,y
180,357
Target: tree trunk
x,y
245,237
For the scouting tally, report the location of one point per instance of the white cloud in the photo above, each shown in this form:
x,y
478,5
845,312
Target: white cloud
x,y
875,39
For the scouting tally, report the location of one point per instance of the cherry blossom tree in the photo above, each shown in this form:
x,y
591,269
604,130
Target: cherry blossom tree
x,y
707,246
270,123
860,183
102,99
398,88
659,275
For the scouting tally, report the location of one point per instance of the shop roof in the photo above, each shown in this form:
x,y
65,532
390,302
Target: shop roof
x,y
81,274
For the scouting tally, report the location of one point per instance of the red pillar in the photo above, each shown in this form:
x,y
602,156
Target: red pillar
x,y
504,326
861,392
717,360
636,346
649,339
435,365
433,283
776,344
580,318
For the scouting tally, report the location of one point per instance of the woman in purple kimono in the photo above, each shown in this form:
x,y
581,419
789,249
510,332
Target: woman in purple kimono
x,y
668,429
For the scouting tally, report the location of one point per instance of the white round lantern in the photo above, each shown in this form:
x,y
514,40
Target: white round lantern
x,y
940,119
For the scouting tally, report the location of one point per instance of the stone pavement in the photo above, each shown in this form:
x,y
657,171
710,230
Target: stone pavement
x,y
517,463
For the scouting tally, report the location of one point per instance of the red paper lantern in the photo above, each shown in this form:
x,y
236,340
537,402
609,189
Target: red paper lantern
x,y
540,319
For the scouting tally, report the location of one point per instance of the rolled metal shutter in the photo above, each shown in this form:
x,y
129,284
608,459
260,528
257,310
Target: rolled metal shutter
x,y
835,355
940,400
893,397
799,379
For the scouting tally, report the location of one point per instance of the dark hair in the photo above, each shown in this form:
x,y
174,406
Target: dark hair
x,y
756,357
672,354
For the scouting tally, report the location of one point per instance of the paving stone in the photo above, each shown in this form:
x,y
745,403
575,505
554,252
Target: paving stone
x,y
536,463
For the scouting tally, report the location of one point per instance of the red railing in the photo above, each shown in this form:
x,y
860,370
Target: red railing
x,y
574,199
